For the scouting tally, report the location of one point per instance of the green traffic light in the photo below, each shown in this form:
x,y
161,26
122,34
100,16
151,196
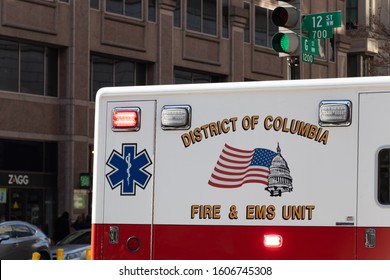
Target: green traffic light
x,y
284,42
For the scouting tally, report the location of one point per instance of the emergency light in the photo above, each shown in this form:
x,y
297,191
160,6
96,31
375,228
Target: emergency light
x,y
335,113
273,240
126,119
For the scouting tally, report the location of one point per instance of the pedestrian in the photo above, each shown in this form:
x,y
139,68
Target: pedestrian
x,y
61,227
79,223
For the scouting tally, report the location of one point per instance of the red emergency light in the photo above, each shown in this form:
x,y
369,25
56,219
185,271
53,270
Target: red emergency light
x,y
273,240
126,119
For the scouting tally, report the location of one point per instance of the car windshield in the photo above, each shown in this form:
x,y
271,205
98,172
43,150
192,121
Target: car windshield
x,y
77,238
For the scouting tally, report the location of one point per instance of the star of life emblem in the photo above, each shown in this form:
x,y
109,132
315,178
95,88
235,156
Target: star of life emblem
x,y
128,169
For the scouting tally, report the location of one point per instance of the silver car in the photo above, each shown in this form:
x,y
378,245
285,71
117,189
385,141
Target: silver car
x,y
19,240
75,245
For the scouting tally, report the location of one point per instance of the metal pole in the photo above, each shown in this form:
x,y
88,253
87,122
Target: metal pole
x,y
293,63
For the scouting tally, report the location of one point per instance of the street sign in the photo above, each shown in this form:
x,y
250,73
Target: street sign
x,y
309,49
320,26
310,46
85,181
321,33
321,21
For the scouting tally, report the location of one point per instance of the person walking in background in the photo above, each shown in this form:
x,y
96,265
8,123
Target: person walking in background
x,y
61,227
79,223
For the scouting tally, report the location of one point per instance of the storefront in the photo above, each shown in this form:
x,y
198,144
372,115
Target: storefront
x,y
27,189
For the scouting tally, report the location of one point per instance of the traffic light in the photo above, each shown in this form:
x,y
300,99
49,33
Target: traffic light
x,y
287,17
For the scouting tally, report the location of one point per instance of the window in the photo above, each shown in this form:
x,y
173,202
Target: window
x,y
130,8
22,231
6,229
108,72
352,66
28,68
152,10
264,27
94,4
247,37
352,14
359,65
202,16
189,77
225,18
322,49
177,14
383,177
332,49
38,156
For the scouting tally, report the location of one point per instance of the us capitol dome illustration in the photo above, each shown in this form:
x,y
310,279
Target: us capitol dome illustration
x,y
279,178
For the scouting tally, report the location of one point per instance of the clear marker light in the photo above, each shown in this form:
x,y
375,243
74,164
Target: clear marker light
x,y
273,241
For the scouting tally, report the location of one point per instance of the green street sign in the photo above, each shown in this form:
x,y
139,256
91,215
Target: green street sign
x,y
320,33
85,181
307,57
309,46
309,49
322,21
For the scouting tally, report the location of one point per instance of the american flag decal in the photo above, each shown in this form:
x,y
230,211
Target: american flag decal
x,y
236,167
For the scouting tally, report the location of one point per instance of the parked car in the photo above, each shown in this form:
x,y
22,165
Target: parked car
x,y
74,245
19,240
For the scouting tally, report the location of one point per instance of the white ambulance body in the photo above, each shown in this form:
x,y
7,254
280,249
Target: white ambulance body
x,y
252,170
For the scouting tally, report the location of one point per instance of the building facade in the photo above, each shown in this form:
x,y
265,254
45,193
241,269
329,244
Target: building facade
x,y
56,54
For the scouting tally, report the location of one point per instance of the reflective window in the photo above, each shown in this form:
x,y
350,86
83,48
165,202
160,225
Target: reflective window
x,y
130,8
177,14
37,156
31,69
108,72
152,10
265,29
383,177
351,9
261,26
133,8
202,16
9,66
6,229
247,37
225,18
94,4
190,77
22,231
28,68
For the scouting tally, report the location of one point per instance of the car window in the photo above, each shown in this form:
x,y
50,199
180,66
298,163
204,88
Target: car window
x,y
77,238
22,231
6,229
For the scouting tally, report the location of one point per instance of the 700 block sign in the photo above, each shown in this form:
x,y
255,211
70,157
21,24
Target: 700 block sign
x,y
320,26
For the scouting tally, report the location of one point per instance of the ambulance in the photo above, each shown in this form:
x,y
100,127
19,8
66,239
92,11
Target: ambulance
x,y
295,169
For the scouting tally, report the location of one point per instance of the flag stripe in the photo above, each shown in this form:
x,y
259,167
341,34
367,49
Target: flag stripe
x,y
236,167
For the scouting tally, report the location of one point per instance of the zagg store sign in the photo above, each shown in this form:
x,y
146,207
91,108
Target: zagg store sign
x,y
27,179
18,179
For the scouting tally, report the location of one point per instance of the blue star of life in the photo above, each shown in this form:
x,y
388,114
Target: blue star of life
x,y
128,169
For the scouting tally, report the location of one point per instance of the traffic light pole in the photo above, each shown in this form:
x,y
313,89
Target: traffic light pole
x,y
287,41
294,67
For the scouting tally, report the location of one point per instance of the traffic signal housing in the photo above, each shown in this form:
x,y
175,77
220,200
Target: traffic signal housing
x,y
287,17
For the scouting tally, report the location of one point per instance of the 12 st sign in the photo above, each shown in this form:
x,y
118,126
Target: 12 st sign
x,y
320,26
